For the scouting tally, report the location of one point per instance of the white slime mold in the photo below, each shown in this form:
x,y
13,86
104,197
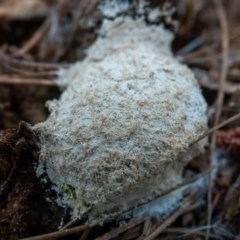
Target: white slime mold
x,y
119,134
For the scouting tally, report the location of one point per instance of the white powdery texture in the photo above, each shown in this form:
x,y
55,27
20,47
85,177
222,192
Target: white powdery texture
x,y
119,135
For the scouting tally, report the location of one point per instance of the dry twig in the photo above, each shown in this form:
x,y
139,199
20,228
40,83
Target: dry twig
x,y
34,39
61,233
115,232
29,64
224,68
185,205
26,81
216,127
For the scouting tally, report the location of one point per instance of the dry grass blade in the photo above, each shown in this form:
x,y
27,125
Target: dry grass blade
x,y
185,205
224,68
26,81
147,226
36,37
225,51
59,234
27,73
115,232
229,120
200,231
145,231
5,58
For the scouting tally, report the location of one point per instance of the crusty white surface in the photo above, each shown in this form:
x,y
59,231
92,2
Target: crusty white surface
x,y
119,134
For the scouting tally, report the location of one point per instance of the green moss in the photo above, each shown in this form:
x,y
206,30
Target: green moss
x,y
71,194
69,190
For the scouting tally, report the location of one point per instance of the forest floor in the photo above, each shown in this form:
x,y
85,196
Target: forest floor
x,y
37,38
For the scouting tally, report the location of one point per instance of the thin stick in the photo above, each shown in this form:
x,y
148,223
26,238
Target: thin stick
x,y
146,229
187,203
213,129
224,68
225,51
31,64
115,232
85,234
59,234
34,39
191,46
27,73
201,231
68,224
26,81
